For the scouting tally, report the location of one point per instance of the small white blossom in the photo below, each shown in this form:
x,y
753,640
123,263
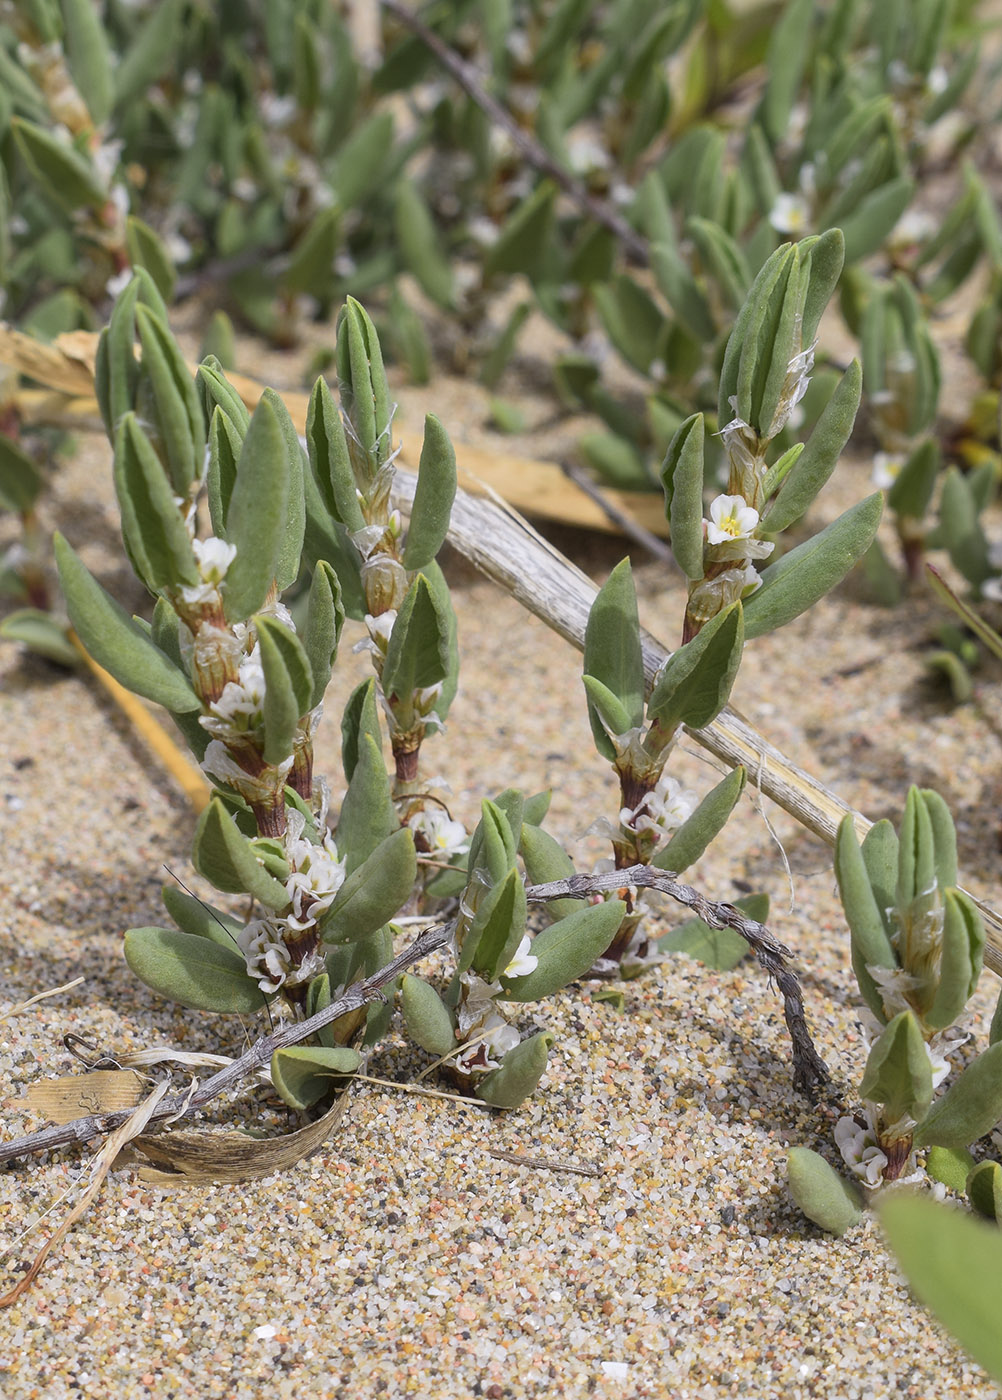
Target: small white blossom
x,y
661,810
861,1151
118,283
731,518
318,872
886,466
241,704
495,1037
269,960
523,962
443,836
791,214
213,557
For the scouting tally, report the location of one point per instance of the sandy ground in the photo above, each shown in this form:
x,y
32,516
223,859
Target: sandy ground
x,y
403,1258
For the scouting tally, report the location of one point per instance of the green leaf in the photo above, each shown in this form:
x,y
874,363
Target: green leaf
x,y
683,293
913,487
374,892
612,652
545,860
367,816
682,477
20,480
228,859
789,46
311,266
322,632
796,582
192,971
364,393
153,529
257,519
433,497
950,1165
116,370
150,53
303,1074
870,945
609,716
898,1074
718,948
518,1075
180,427
498,927
566,950
116,641
984,1190
743,347
722,258
821,1193
693,685
947,1258
875,215
691,839
291,547
916,852
288,685
147,249
962,533
329,458
359,717
196,917
820,456
524,243
417,654
41,634
66,177
420,244
427,1018
225,444
970,1107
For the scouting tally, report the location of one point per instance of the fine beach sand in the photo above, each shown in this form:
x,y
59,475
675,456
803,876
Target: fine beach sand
x,y
403,1258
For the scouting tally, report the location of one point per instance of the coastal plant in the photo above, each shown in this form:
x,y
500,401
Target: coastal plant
x,y
244,682
766,367
917,944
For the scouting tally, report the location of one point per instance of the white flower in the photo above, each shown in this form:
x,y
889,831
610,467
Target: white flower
x,y
894,984
268,958
318,873
886,467
118,283
218,763
213,557
731,518
661,810
379,629
523,962
860,1150
992,589
495,1037
790,214
443,836
241,704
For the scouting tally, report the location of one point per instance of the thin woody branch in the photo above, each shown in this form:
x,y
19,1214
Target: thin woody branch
x,y
469,80
809,1070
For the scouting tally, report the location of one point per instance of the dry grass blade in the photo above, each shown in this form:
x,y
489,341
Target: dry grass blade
x,y
102,1165
198,1156
41,996
72,1095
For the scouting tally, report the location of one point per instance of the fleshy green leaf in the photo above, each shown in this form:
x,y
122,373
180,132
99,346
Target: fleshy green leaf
x,y
417,653
947,1258
196,917
820,455
693,685
433,497
258,514
898,1074
682,476
518,1075
498,927
691,839
795,582
612,651
228,859
303,1074
428,1021
718,948
821,1193
970,1107
196,972
566,950
42,634
367,814
374,892
116,641
288,686
322,632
